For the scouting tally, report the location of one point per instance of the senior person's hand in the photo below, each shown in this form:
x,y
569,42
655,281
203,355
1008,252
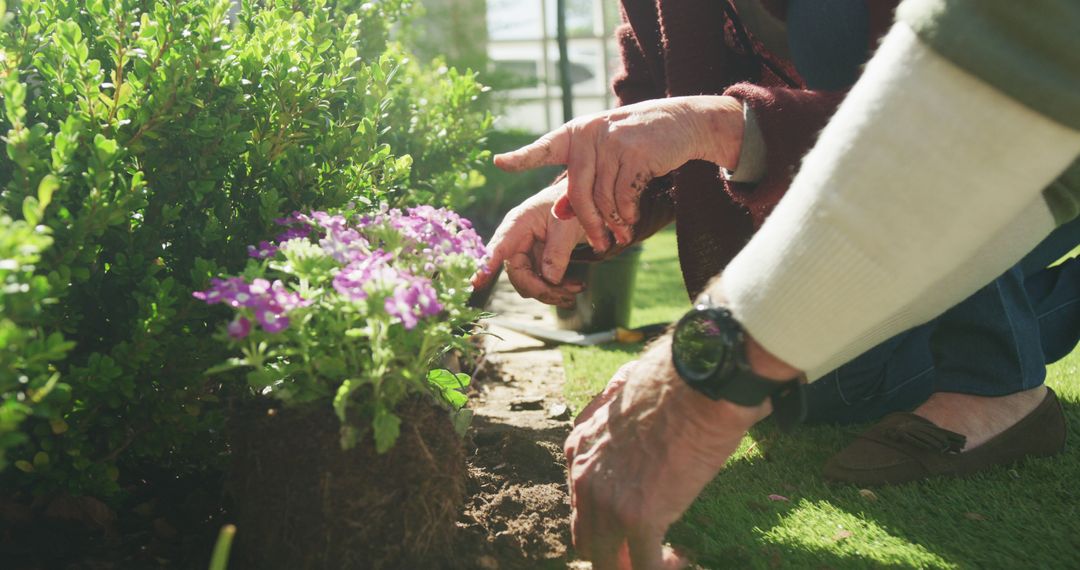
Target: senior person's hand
x,y
611,156
536,248
643,450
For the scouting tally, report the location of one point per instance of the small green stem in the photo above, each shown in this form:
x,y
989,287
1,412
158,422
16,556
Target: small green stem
x,y
219,560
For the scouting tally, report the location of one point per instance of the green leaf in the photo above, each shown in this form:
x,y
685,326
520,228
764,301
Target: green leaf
x,y
448,380
230,364
106,147
31,210
49,184
455,398
41,460
462,419
387,429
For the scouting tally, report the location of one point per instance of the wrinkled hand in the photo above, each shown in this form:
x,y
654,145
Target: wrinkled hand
x,y
612,156
638,457
536,248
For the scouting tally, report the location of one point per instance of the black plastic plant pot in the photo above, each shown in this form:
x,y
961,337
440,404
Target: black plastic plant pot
x,y
606,301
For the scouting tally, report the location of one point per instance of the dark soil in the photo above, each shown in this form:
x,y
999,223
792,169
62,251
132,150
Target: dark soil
x,y
518,511
168,520
304,503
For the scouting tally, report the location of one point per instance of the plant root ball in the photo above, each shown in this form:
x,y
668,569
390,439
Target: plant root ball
x,y
301,502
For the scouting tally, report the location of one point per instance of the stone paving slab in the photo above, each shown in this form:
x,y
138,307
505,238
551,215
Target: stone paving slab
x,y
530,374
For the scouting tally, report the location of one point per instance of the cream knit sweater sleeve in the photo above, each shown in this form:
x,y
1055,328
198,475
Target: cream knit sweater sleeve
x,y
925,186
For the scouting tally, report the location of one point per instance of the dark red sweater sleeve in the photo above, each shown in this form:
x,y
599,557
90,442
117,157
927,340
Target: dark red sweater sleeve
x,y
634,83
789,120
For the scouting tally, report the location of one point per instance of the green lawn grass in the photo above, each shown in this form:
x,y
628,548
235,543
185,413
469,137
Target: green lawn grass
x,y
1024,517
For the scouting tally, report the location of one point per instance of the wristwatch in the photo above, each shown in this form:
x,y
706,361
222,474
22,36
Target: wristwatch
x,y
709,353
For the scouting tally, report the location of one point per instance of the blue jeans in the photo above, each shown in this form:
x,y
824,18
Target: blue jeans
x,y
994,343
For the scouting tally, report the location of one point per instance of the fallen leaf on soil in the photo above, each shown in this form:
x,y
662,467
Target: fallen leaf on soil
x,y
841,535
974,517
868,494
778,498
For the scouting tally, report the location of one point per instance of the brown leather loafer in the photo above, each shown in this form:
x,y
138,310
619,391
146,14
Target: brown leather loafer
x,y
904,447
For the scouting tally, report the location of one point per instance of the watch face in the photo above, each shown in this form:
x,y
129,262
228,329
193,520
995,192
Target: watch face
x,y
702,344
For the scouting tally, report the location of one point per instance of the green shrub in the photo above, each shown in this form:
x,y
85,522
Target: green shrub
x,y
167,138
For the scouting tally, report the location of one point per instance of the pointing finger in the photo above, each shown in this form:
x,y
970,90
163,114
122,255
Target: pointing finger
x,y
561,240
552,148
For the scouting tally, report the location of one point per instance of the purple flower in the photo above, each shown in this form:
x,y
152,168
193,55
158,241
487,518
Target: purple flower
x,y
292,233
344,244
353,279
264,250
270,303
413,300
295,218
296,224
233,291
284,299
239,327
432,232
272,319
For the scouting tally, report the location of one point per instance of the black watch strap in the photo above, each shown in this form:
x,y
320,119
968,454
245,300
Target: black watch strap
x,y
789,404
788,398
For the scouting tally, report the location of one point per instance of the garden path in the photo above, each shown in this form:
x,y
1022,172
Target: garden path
x,y
517,511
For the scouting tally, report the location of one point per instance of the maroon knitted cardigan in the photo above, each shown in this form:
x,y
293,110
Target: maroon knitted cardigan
x,y
698,47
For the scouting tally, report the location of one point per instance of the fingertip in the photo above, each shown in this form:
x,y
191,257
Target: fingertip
x,y
503,161
551,274
562,209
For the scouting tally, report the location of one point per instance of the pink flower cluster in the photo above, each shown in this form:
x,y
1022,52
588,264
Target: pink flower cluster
x,y
425,235
412,299
269,303
434,232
